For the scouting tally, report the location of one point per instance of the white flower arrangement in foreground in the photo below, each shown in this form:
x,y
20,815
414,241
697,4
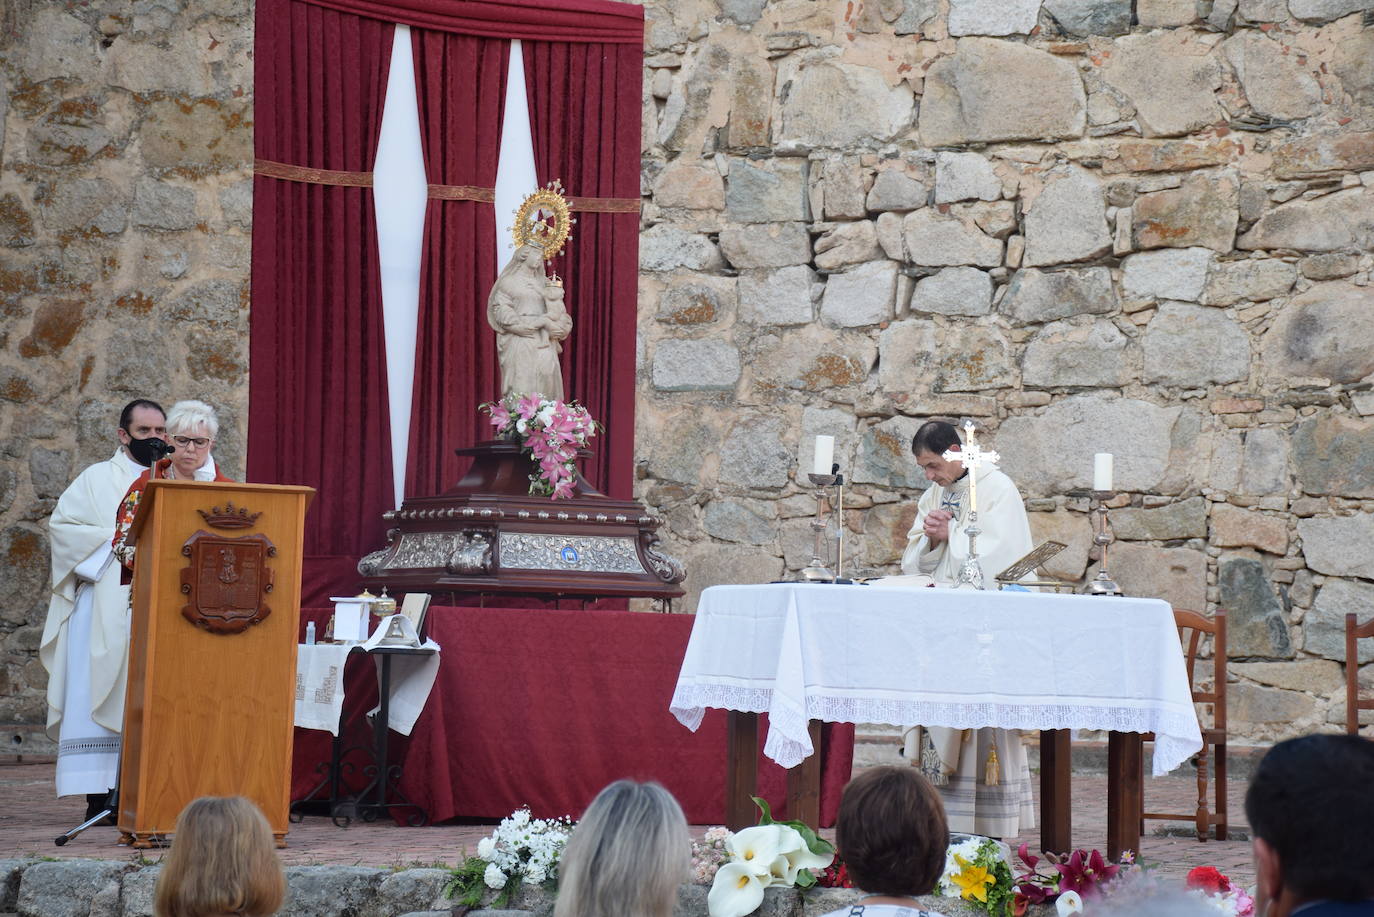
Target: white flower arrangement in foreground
x,y
521,849
768,854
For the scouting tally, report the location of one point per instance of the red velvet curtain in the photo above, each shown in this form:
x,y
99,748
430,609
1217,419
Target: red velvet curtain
x,y
318,410
585,118
461,84
565,20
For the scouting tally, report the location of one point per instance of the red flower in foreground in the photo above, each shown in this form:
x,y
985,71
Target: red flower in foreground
x,y
1082,872
1209,879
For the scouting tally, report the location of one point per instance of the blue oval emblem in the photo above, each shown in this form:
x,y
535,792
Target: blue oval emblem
x,y
569,554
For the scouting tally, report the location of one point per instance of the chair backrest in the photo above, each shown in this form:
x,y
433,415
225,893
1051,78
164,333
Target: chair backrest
x,y
1353,703
1192,627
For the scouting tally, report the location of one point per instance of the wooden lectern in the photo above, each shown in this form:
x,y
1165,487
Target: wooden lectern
x,y
212,654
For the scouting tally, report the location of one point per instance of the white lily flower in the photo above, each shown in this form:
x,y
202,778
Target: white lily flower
x,y
759,846
1068,903
802,858
736,891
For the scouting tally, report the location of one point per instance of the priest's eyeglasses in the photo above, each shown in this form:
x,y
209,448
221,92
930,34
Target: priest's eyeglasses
x,y
186,442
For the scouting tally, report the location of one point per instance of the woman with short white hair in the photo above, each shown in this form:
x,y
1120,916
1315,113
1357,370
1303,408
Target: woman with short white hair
x,y
627,856
191,429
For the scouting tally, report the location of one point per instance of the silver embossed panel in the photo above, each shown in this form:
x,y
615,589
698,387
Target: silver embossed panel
x,y
584,553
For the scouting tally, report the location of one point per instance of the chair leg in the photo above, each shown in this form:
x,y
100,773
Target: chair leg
x,y
1220,765
1203,822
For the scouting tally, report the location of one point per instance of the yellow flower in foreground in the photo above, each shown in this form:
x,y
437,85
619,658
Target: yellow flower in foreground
x,y
973,881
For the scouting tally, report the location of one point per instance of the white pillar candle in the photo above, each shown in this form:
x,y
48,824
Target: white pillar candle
x,y
825,455
1102,471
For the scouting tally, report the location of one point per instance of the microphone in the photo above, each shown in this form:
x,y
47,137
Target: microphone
x,y
163,449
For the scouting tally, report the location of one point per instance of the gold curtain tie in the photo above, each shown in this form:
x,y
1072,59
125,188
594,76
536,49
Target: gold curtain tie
x,y
311,176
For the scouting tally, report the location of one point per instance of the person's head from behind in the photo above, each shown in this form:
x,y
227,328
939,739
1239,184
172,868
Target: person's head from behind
x,y
891,832
223,861
1310,807
627,856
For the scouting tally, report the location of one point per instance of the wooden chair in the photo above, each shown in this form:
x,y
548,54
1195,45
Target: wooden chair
x,y
1192,627
1353,702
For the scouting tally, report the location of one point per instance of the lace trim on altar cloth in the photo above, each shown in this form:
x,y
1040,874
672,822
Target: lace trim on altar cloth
x,y
788,743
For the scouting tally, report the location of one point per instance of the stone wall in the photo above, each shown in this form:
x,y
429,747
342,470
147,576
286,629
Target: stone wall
x,y
1088,225
125,210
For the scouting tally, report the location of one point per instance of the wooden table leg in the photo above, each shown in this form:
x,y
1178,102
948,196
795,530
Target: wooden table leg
x,y
1125,774
1056,804
741,768
804,783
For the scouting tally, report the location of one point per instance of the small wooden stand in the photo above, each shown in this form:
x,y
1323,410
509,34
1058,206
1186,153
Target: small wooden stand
x,y
212,655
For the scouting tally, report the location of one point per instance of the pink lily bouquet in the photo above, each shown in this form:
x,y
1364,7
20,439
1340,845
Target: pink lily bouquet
x,y
550,431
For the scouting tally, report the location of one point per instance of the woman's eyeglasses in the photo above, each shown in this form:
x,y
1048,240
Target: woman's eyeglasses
x,y
200,442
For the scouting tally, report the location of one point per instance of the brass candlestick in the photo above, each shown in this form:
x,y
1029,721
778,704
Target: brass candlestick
x,y
1103,584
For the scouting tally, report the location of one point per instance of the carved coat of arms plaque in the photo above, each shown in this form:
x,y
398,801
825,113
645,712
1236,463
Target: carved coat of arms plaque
x,y
227,581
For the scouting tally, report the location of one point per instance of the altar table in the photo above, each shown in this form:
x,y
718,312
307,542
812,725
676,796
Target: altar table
x,y
938,657
544,707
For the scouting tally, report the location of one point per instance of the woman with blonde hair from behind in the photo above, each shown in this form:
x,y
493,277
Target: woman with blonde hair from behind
x,y
223,863
627,855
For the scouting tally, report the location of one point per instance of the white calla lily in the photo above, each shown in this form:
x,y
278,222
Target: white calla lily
x,y
804,858
1068,903
736,891
757,847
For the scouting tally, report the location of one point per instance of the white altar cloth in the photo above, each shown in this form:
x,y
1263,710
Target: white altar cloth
x,y
938,657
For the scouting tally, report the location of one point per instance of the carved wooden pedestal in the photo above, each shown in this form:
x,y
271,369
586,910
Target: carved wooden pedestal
x,y
486,535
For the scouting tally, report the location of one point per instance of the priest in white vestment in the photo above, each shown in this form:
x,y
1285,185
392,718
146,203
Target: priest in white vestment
x,y
85,644
982,775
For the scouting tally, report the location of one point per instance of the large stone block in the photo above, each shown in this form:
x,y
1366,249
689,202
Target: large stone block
x,y
754,455
1191,346
861,296
696,299
317,891
741,521
1074,530
1326,331
974,358
842,188
24,566
1318,676
1334,455
1324,626
162,206
954,291
886,528
1154,14
678,445
1331,223
1067,354
85,206
1176,521
199,137
884,456
1204,211
690,186
1303,157
908,353
65,888
1166,274
774,245
665,248
933,239
846,244
965,177
1172,87
992,17
1275,84
832,104
1091,17
1050,454
812,359
991,90
1035,296
1176,575
1234,527
1068,221
1264,469
1251,705
1251,280
1325,10
779,297
895,190
771,191
690,365
1264,10
1339,545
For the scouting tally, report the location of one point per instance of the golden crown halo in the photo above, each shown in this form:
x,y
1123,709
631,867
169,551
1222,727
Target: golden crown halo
x,y
544,220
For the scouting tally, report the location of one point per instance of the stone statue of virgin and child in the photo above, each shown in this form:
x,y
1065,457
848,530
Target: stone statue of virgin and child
x,y
527,311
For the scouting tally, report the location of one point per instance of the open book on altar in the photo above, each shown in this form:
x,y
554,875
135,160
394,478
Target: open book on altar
x,y
905,581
